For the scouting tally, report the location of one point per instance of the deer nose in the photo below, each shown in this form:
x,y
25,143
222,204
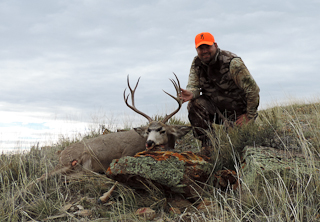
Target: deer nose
x,y
150,143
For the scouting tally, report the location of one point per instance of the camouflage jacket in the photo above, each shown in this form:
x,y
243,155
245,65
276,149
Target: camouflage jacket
x,y
227,81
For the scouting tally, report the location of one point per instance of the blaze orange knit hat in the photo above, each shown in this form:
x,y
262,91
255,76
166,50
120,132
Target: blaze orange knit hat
x,y
204,38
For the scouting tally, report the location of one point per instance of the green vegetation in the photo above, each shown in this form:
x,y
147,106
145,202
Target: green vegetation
x,y
280,194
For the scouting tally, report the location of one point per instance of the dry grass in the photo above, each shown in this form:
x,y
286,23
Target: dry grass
x,y
279,196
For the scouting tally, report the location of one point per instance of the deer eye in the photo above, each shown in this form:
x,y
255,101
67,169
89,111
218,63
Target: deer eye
x,y
162,131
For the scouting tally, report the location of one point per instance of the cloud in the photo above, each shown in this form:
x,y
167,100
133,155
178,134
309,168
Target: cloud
x,y
67,58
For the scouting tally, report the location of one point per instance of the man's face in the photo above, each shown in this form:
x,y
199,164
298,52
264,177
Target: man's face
x,y
206,52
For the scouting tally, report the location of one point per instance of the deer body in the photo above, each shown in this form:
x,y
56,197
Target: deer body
x,y
96,154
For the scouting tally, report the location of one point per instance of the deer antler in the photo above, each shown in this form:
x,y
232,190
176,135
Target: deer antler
x,y
178,90
132,100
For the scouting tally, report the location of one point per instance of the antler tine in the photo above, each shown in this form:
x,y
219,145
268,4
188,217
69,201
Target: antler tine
x,y
132,91
177,81
132,99
177,98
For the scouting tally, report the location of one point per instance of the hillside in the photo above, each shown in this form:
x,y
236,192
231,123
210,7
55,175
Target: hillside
x,y
275,194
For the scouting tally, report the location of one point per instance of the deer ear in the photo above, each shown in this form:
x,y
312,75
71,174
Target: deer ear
x,y
179,131
141,130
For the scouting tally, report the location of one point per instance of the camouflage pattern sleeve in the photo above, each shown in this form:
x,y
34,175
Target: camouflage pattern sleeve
x,y
193,81
245,81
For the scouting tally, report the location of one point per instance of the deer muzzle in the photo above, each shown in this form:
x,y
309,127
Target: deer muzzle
x,y
150,144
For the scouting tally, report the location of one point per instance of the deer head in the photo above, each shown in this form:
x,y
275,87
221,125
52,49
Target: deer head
x,y
158,133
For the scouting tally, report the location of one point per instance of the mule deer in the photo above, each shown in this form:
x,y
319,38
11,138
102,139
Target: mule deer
x,y
96,154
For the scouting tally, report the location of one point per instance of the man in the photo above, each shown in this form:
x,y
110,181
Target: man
x,y
220,88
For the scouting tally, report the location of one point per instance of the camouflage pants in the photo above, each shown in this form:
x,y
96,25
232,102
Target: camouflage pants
x,y
202,114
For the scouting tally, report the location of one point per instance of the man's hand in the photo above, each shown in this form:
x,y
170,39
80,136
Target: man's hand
x,y
243,119
185,95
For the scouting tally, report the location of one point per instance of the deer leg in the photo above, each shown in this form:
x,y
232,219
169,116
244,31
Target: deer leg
x,y
62,170
105,197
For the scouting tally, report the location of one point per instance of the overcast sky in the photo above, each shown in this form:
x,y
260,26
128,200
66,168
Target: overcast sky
x,y
71,58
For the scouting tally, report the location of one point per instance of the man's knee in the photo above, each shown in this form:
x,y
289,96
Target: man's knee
x,y
201,111
198,103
